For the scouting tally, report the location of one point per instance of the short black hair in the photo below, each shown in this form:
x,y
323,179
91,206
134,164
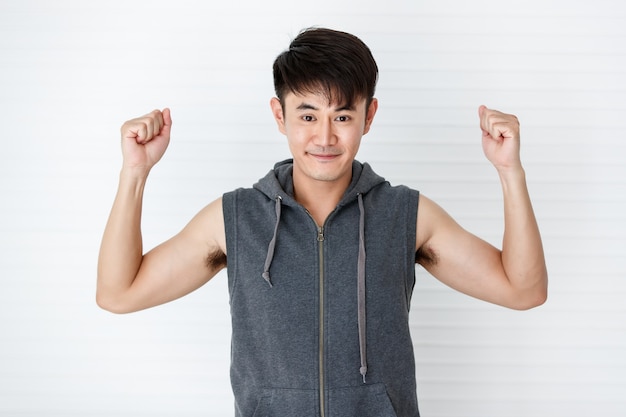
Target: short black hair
x,y
321,60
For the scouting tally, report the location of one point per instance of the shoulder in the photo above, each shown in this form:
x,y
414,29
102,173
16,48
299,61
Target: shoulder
x,y
239,194
392,195
245,202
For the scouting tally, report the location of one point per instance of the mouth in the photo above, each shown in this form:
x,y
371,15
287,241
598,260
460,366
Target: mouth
x,y
324,157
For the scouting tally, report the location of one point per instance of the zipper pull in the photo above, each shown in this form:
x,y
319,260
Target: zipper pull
x,y
320,234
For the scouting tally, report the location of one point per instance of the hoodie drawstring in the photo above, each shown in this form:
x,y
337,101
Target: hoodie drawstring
x,y
360,277
272,245
361,290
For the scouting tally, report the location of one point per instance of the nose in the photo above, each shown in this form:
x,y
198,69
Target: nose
x,y
325,135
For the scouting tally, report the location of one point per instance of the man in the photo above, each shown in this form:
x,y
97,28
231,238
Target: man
x,y
321,252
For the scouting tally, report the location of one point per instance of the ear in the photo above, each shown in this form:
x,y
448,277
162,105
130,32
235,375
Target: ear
x,y
369,115
279,116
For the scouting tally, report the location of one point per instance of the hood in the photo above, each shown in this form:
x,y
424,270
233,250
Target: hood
x,y
279,182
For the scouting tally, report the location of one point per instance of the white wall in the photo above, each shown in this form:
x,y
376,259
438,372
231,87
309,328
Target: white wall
x,y
71,72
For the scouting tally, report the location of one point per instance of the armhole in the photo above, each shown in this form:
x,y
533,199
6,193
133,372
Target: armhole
x,y
229,209
412,210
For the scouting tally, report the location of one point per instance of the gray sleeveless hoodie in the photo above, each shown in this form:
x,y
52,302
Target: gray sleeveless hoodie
x,y
320,313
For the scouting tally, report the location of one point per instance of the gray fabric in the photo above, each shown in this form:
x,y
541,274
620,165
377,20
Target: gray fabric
x,y
330,311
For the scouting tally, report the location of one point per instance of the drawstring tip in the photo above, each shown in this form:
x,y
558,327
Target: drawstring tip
x,y
363,372
266,277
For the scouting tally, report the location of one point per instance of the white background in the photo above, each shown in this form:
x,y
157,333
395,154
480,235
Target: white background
x,y
71,72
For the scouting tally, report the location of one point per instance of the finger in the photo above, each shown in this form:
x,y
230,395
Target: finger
x,y
148,129
152,122
499,130
157,121
152,126
141,132
166,122
135,129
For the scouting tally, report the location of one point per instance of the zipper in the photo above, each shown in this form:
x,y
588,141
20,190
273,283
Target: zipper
x,y
320,245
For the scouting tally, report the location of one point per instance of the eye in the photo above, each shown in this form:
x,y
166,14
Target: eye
x,y
343,118
308,118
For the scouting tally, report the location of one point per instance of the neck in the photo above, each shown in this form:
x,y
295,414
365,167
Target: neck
x,y
319,197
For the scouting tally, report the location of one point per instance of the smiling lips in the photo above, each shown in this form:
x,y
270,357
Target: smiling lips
x,y
324,155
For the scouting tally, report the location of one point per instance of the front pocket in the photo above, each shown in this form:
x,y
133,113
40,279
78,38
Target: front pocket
x,y
280,402
363,401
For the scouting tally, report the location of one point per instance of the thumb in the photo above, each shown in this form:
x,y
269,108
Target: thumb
x,y
167,121
481,110
482,114
167,117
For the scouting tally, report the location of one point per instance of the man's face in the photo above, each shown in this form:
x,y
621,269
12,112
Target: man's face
x,y
323,137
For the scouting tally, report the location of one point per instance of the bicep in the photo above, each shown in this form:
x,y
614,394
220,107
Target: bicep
x,y
458,258
183,263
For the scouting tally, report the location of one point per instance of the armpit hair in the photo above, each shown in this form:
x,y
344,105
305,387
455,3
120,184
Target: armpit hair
x,y
216,260
426,256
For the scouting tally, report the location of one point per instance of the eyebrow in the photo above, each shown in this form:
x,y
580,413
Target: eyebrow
x,y
307,106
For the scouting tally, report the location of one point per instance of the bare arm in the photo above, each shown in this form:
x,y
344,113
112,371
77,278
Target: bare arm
x,y
515,276
128,280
